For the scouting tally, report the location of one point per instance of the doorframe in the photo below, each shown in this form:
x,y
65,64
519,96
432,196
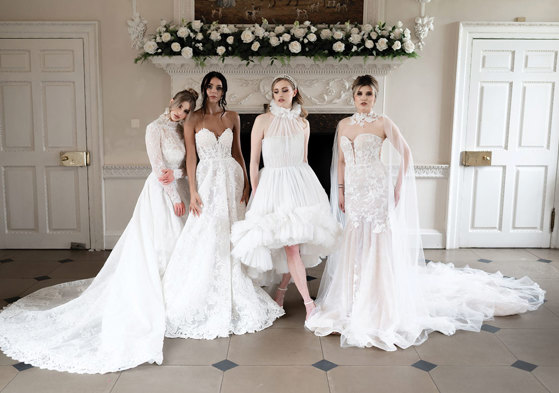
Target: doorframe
x,y
468,32
88,32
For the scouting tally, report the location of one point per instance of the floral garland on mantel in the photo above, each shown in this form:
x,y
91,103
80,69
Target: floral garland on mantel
x,y
198,41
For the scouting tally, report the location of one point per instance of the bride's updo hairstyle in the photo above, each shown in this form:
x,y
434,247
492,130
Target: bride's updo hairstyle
x,y
187,95
298,98
365,80
204,87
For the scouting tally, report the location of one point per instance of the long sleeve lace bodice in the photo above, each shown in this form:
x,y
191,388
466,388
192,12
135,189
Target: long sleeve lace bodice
x,y
166,150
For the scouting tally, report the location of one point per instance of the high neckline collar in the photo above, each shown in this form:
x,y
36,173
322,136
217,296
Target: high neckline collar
x,y
361,118
278,111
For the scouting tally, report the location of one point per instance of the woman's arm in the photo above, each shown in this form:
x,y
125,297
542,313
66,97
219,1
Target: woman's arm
x,y
191,161
256,136
307,129
237,153
341,174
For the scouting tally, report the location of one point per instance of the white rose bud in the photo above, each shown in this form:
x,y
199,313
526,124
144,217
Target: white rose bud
x,y
255,45
199,36
313,29
407,33
285,37
338,46
338,35
295,47
230,40
247,36
367,28
150,47
279,29
354,48
183,32
215,36
307,23
274,41
399,24
165,37
373,35
199,45
158,38
325,34
176,47
220,50
186,52
397,45
409,46
312,37
369,44
197,25
382,44
355,38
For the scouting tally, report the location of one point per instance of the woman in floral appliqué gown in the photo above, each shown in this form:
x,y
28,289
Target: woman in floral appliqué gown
x,y
376,289
116,320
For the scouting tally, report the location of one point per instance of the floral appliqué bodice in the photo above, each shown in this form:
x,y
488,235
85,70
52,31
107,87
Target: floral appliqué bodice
x,y
366,198
212,147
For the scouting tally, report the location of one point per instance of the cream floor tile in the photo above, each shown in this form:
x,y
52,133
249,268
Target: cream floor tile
x,y
77,270
365,356
6,361
291,347
10,287
7,373
533,269
549,377
287,379
27,269
551,287
294,317
485,379
380,379
465,348
537,346
546,253
504,254
189,352
540,318
169,379
451,255
36,380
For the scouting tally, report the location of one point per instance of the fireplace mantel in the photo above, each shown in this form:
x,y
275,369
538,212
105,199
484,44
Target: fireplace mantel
x,y
325,86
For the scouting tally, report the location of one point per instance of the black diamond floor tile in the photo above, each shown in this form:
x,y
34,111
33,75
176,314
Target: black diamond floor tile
x,y
66,260
325,365
490,328
42,278
428,260
22,366
524,365
225,365
310,278
485,260
12,299
424,365
6,260
545,260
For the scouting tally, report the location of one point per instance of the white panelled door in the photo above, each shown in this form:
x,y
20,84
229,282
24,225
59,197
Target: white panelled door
x,y
513,111
42,113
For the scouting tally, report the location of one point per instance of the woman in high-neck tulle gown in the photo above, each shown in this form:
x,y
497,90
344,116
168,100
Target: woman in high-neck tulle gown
x,y
376,289
207,293
116,320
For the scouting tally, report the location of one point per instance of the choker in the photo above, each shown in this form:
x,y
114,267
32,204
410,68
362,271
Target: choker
x,y
278,111
361,118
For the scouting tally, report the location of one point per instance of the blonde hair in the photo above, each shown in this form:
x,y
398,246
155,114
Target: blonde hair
x,y
298,98
187,95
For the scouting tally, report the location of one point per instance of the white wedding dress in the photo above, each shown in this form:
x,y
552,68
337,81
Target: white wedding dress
x,y
289,206
116,320
207,293
376,289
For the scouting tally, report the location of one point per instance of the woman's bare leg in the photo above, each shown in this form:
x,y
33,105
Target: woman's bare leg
x,y
282,288
299,274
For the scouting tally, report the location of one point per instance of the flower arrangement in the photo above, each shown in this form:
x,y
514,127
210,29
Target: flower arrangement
x,y
198,41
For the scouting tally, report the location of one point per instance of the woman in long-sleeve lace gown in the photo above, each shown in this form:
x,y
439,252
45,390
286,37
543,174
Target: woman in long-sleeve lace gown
x,y
376,289
116,320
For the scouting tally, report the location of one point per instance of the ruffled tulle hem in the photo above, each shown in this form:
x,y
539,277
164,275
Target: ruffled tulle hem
x,y
312,227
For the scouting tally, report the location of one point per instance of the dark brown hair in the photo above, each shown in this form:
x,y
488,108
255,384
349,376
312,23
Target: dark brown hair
x,y
365,80
204,87
298,98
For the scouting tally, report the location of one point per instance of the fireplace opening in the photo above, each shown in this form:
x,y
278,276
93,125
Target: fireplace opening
x,y
323,129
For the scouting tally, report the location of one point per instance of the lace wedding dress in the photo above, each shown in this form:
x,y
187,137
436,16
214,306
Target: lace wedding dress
x,y
376,289
116,320
207,293
289,206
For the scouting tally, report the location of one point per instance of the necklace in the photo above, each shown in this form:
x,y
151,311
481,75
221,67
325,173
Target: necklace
x,y
361,118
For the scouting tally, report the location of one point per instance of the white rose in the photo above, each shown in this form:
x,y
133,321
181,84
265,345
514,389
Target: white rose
x,y
313,29
355,30
373,35
255,45
396,34
338,46
158,38
274,41
299,32
230,40
295,47
367,28
355,38
186,52
215,36
160,29
224,29
150,47
199,36
259,31
247,36
397,45
338,35
176,47
409,46
312,37
384,33
279,29
232,28
220,50
369,44
165,37
399,24
183,32
382,44
307,23
285,37
197,25
325,34
407,33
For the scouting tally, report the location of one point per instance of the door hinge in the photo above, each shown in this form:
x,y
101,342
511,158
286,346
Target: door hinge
x,y
552,225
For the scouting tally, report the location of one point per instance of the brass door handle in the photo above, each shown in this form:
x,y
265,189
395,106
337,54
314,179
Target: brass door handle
x,y
74,158
476,158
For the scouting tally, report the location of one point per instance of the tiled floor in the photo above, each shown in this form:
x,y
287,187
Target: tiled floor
x,y
512,354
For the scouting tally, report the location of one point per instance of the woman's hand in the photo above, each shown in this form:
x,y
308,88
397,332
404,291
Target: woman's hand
x,y
341,199
180,209
195,204
246,194
167,177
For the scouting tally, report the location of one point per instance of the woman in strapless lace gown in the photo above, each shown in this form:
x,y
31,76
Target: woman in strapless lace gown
x,y
116,320
207,293
376,289
288,224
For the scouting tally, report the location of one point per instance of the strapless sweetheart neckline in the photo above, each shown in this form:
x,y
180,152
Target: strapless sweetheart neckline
x,y
213,133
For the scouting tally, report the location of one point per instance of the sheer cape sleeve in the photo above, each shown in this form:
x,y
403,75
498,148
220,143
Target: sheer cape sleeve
x,y
154,134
